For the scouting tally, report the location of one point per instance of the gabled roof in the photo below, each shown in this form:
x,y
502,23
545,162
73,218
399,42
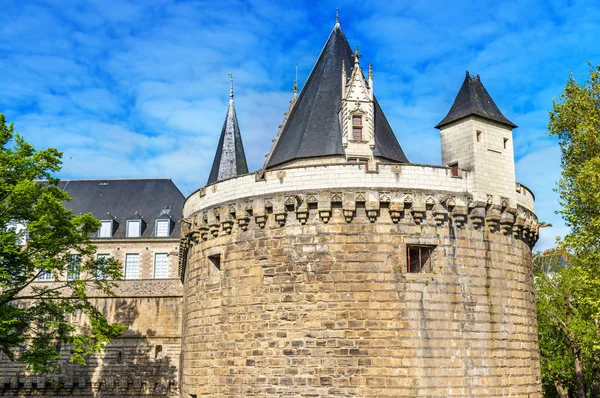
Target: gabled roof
x,y
312,128
123,198
473,99
230,159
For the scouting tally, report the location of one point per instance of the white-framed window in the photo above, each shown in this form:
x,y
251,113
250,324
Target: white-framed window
x,y
45,276
101,275
357,125
73,267
20,229
163,228
106,229
161,266
134,228
132,266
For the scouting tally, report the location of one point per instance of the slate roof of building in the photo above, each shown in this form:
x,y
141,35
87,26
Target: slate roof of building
x,y
121,199
473,99
312,129
230,159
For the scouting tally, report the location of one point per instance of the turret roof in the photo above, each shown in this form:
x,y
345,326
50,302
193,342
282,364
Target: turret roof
x,y
230,159
473,99
312,128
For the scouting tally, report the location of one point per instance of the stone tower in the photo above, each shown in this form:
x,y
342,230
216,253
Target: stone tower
x,y
341,269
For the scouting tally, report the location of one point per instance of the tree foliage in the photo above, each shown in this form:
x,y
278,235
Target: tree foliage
x,y
568,295
36,318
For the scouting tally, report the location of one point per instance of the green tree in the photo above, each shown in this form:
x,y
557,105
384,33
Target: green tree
x,y
39,237
568,297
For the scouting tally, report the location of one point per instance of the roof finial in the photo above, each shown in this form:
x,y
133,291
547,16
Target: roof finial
x,y
337,18
230,85
370,71
295,88
356,55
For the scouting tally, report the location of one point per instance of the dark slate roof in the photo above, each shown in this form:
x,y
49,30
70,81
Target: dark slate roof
x,y
313,128
123,198
230,159
473,99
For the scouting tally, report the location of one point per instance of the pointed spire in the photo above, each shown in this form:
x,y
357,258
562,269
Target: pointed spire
x,y
312,128
473,99
230,159
337,18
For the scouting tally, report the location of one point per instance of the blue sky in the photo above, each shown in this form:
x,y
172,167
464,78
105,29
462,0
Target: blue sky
x,y
140,89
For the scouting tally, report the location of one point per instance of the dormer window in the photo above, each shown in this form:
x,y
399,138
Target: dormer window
x,y
357,126
106,229
134,228
163,228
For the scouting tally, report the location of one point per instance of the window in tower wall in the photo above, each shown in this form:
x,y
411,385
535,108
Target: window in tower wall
x,y
357,126
419,258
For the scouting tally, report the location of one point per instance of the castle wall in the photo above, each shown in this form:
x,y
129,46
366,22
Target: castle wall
x,y
312,295
144,361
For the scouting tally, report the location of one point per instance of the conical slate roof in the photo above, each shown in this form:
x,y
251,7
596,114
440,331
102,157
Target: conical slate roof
x,y
312,129
230,159
473,99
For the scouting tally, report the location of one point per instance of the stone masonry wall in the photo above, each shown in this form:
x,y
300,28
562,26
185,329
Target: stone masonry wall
x,y
144,361
312,298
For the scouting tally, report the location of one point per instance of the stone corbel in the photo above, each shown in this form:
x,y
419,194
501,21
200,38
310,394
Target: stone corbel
x,y
302,213
493,217
477,215
419,212
459,215
506,222
324,206
349,205
439,214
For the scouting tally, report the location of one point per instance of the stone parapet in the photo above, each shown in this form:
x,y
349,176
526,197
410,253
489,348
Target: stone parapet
x,y
387,177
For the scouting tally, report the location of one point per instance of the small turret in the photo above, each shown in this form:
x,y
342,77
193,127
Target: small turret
x,y
477,137
357,115
230,159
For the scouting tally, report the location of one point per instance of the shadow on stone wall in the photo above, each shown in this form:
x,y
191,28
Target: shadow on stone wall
x,y
136,364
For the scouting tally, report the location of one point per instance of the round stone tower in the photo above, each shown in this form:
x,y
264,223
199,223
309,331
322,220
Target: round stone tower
x,y
340,269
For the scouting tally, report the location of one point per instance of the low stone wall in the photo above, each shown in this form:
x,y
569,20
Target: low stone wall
x,y
144,361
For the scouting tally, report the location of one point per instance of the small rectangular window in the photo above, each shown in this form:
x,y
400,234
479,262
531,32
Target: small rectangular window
x,y
357,133
505,141
161,266
45,276
101,275
134,228
163,228
478,136
357,120
105,230
419,258
132,266
73,267
454,169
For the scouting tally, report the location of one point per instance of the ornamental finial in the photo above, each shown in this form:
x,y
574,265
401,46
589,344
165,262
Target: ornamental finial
x,y
356,55
230,85
337,18
295,88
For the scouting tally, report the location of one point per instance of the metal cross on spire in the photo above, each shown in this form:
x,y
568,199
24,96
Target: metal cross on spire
x,y
230,75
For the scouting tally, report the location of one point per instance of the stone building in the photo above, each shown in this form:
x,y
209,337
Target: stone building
x,y
341,269
141,228
337,269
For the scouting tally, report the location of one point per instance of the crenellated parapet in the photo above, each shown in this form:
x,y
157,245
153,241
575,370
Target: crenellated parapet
x,y
420,207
